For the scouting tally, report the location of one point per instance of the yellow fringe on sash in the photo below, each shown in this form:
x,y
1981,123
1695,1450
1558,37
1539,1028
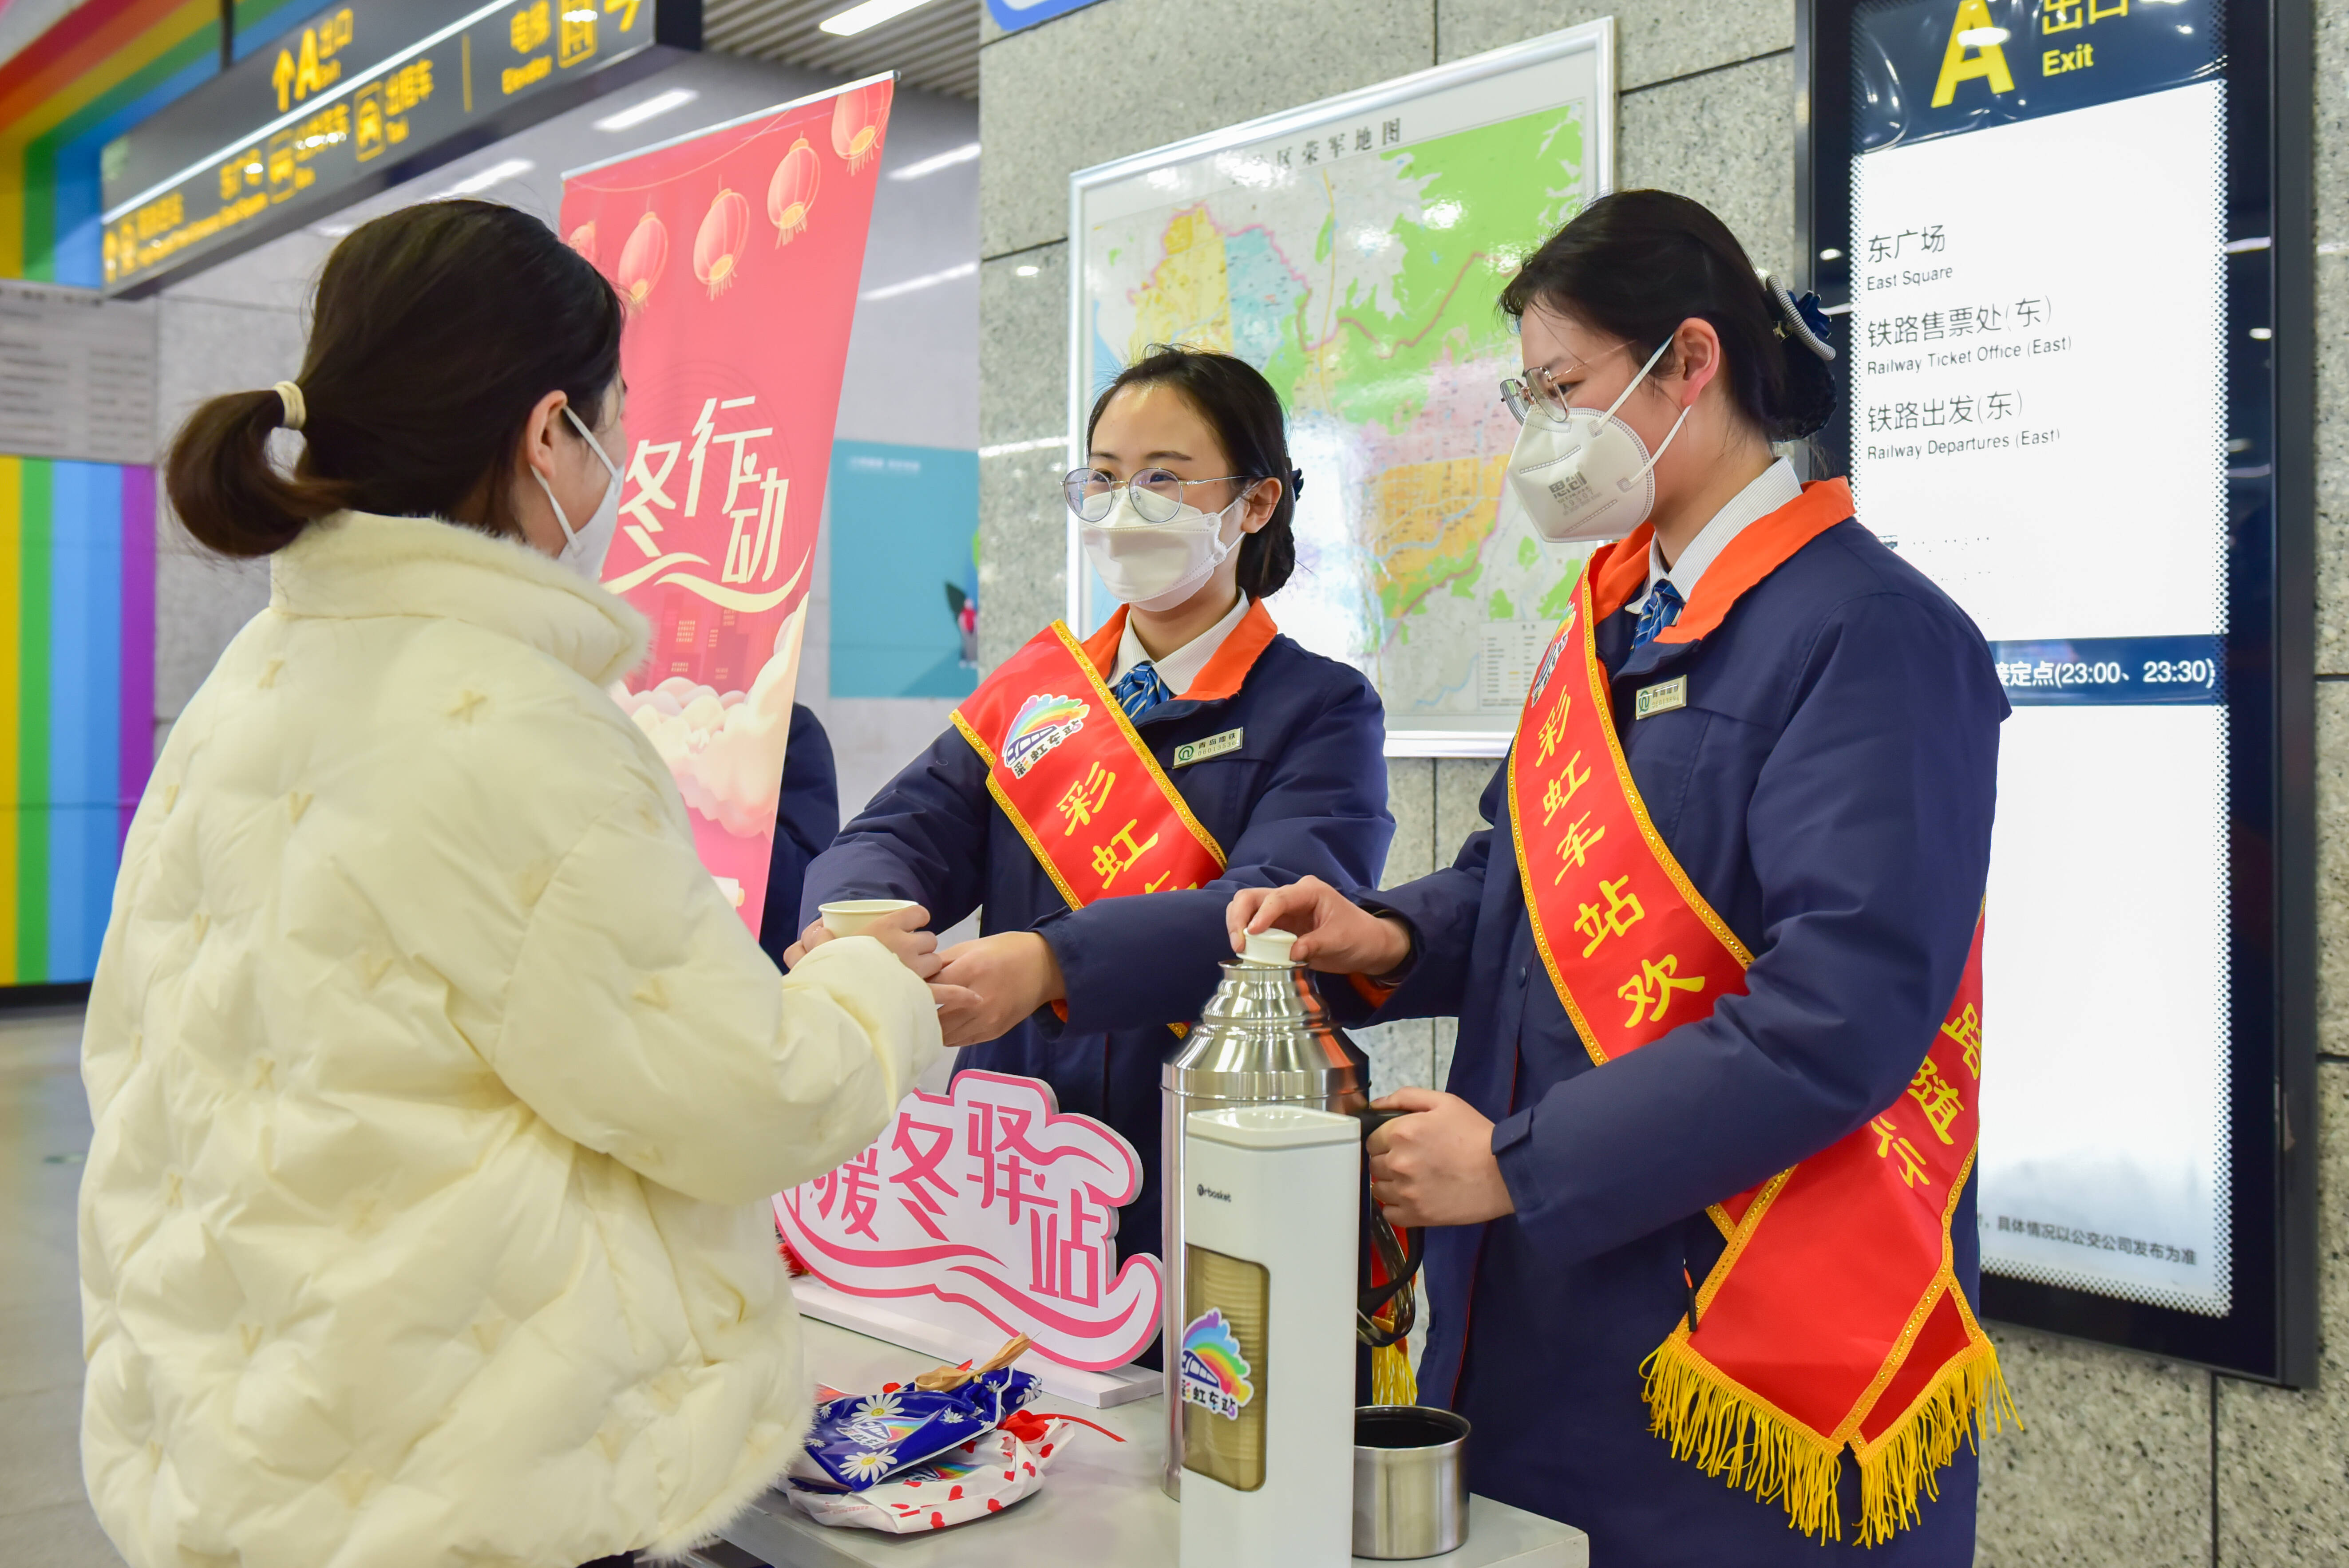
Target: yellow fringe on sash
x,y
1392,1380
1728,1432
1969,1392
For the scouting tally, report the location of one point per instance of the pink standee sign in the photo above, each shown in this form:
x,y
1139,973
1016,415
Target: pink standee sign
x,y
994,1200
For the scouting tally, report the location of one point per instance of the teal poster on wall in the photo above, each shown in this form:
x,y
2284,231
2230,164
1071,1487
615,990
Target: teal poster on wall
x,y
905,572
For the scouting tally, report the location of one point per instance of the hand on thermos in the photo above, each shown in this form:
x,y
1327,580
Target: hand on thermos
x,y
1436,1167
1333,932
900,931
985,987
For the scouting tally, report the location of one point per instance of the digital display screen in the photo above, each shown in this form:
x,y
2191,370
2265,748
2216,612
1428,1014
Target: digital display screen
x,y
358,96
2025,214
2038,424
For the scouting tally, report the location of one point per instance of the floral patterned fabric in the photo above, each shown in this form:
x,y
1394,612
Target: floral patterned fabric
x,y
860,1439
985,1475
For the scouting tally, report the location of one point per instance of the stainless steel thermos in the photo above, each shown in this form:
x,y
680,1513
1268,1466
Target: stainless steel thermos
x,y
1263,1039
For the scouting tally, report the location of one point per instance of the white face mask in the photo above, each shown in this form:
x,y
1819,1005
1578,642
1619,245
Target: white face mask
x,y
1157,565
584,549
1590,478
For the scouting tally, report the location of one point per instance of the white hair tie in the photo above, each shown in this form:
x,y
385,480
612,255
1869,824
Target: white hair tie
x,y
296,412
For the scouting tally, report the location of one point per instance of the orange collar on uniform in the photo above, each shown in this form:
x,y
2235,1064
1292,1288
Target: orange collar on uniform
x,y
1622,575
1224,672
1760,549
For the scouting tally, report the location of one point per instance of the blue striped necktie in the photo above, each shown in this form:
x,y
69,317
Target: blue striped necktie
x,y
1664,607
1139,690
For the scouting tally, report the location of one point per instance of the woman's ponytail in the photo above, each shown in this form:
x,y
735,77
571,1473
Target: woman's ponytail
x,y
1798,404
1802,403
1269,555
224,485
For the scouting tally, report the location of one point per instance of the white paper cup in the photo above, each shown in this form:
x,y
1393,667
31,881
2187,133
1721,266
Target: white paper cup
x,y
854,916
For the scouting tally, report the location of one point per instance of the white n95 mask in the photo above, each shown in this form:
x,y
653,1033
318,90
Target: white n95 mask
x,y
1590,477
1157,565
584,548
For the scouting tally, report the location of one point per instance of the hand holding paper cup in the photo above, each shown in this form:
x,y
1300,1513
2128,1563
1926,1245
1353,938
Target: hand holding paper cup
x,y
897,923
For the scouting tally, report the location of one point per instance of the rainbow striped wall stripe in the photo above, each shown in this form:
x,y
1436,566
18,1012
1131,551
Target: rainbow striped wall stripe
x,y
100,71
77,702
78,539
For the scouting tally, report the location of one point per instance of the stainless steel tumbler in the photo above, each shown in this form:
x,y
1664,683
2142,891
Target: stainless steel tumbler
x,y
1411,1485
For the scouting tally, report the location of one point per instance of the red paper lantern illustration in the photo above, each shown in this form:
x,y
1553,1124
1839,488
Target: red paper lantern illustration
x,y
583,239
858,118
790,195
642,260
718,248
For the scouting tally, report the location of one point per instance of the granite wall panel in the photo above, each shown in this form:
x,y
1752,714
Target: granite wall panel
x,y
1130,75
207,347
1655,40
2112,1467
1024,523
2332,136
2283,1454
1727,139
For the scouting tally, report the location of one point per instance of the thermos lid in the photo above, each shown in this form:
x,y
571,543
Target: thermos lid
x,y
1270,948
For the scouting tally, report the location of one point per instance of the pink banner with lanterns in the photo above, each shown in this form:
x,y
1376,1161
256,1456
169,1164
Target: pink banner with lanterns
x,y
738,252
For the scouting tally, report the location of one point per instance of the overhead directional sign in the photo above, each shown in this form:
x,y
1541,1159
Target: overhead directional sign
x,y
361,97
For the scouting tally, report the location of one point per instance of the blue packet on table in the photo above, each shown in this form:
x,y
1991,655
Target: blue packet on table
x,y
860,1440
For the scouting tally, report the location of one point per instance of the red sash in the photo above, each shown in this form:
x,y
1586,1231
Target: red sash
x,y
1064,763
1833,1318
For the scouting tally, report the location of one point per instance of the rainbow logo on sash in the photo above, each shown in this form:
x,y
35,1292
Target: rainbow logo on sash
x,y
1042,723
1214,1373
1550,659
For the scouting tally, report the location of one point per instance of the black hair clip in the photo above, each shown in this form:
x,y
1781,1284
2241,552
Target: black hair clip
x,y
1804,319
1296,483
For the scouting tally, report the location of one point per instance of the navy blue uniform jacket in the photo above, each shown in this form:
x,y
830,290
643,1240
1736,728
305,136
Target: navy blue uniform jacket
x,y
1828,788
807,816
1303,794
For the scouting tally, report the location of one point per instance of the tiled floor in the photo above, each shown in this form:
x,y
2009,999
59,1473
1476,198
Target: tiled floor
x,y
45,1518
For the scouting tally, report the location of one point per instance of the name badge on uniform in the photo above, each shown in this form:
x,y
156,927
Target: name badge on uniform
x,y
1213,746
1661,698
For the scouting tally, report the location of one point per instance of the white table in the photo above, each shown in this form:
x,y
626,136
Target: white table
x,y
1102,1504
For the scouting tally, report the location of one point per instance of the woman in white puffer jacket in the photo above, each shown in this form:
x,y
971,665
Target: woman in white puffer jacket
x,y
437,1086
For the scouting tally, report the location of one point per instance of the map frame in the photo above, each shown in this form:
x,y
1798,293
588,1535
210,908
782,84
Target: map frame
x,y
1585,58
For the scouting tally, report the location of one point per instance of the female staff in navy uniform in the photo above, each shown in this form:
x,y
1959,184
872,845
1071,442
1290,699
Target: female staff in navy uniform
x,y
1808,728
1276,753
807,817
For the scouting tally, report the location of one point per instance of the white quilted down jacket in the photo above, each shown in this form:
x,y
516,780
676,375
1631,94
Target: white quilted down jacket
x,y
437,1089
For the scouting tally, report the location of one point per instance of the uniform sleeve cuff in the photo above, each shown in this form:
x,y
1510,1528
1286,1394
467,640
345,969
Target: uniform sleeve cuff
x,y
1513,1151
1377,988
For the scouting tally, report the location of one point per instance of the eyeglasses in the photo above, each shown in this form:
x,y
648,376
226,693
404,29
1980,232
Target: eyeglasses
x,y
1537,388
1157,494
